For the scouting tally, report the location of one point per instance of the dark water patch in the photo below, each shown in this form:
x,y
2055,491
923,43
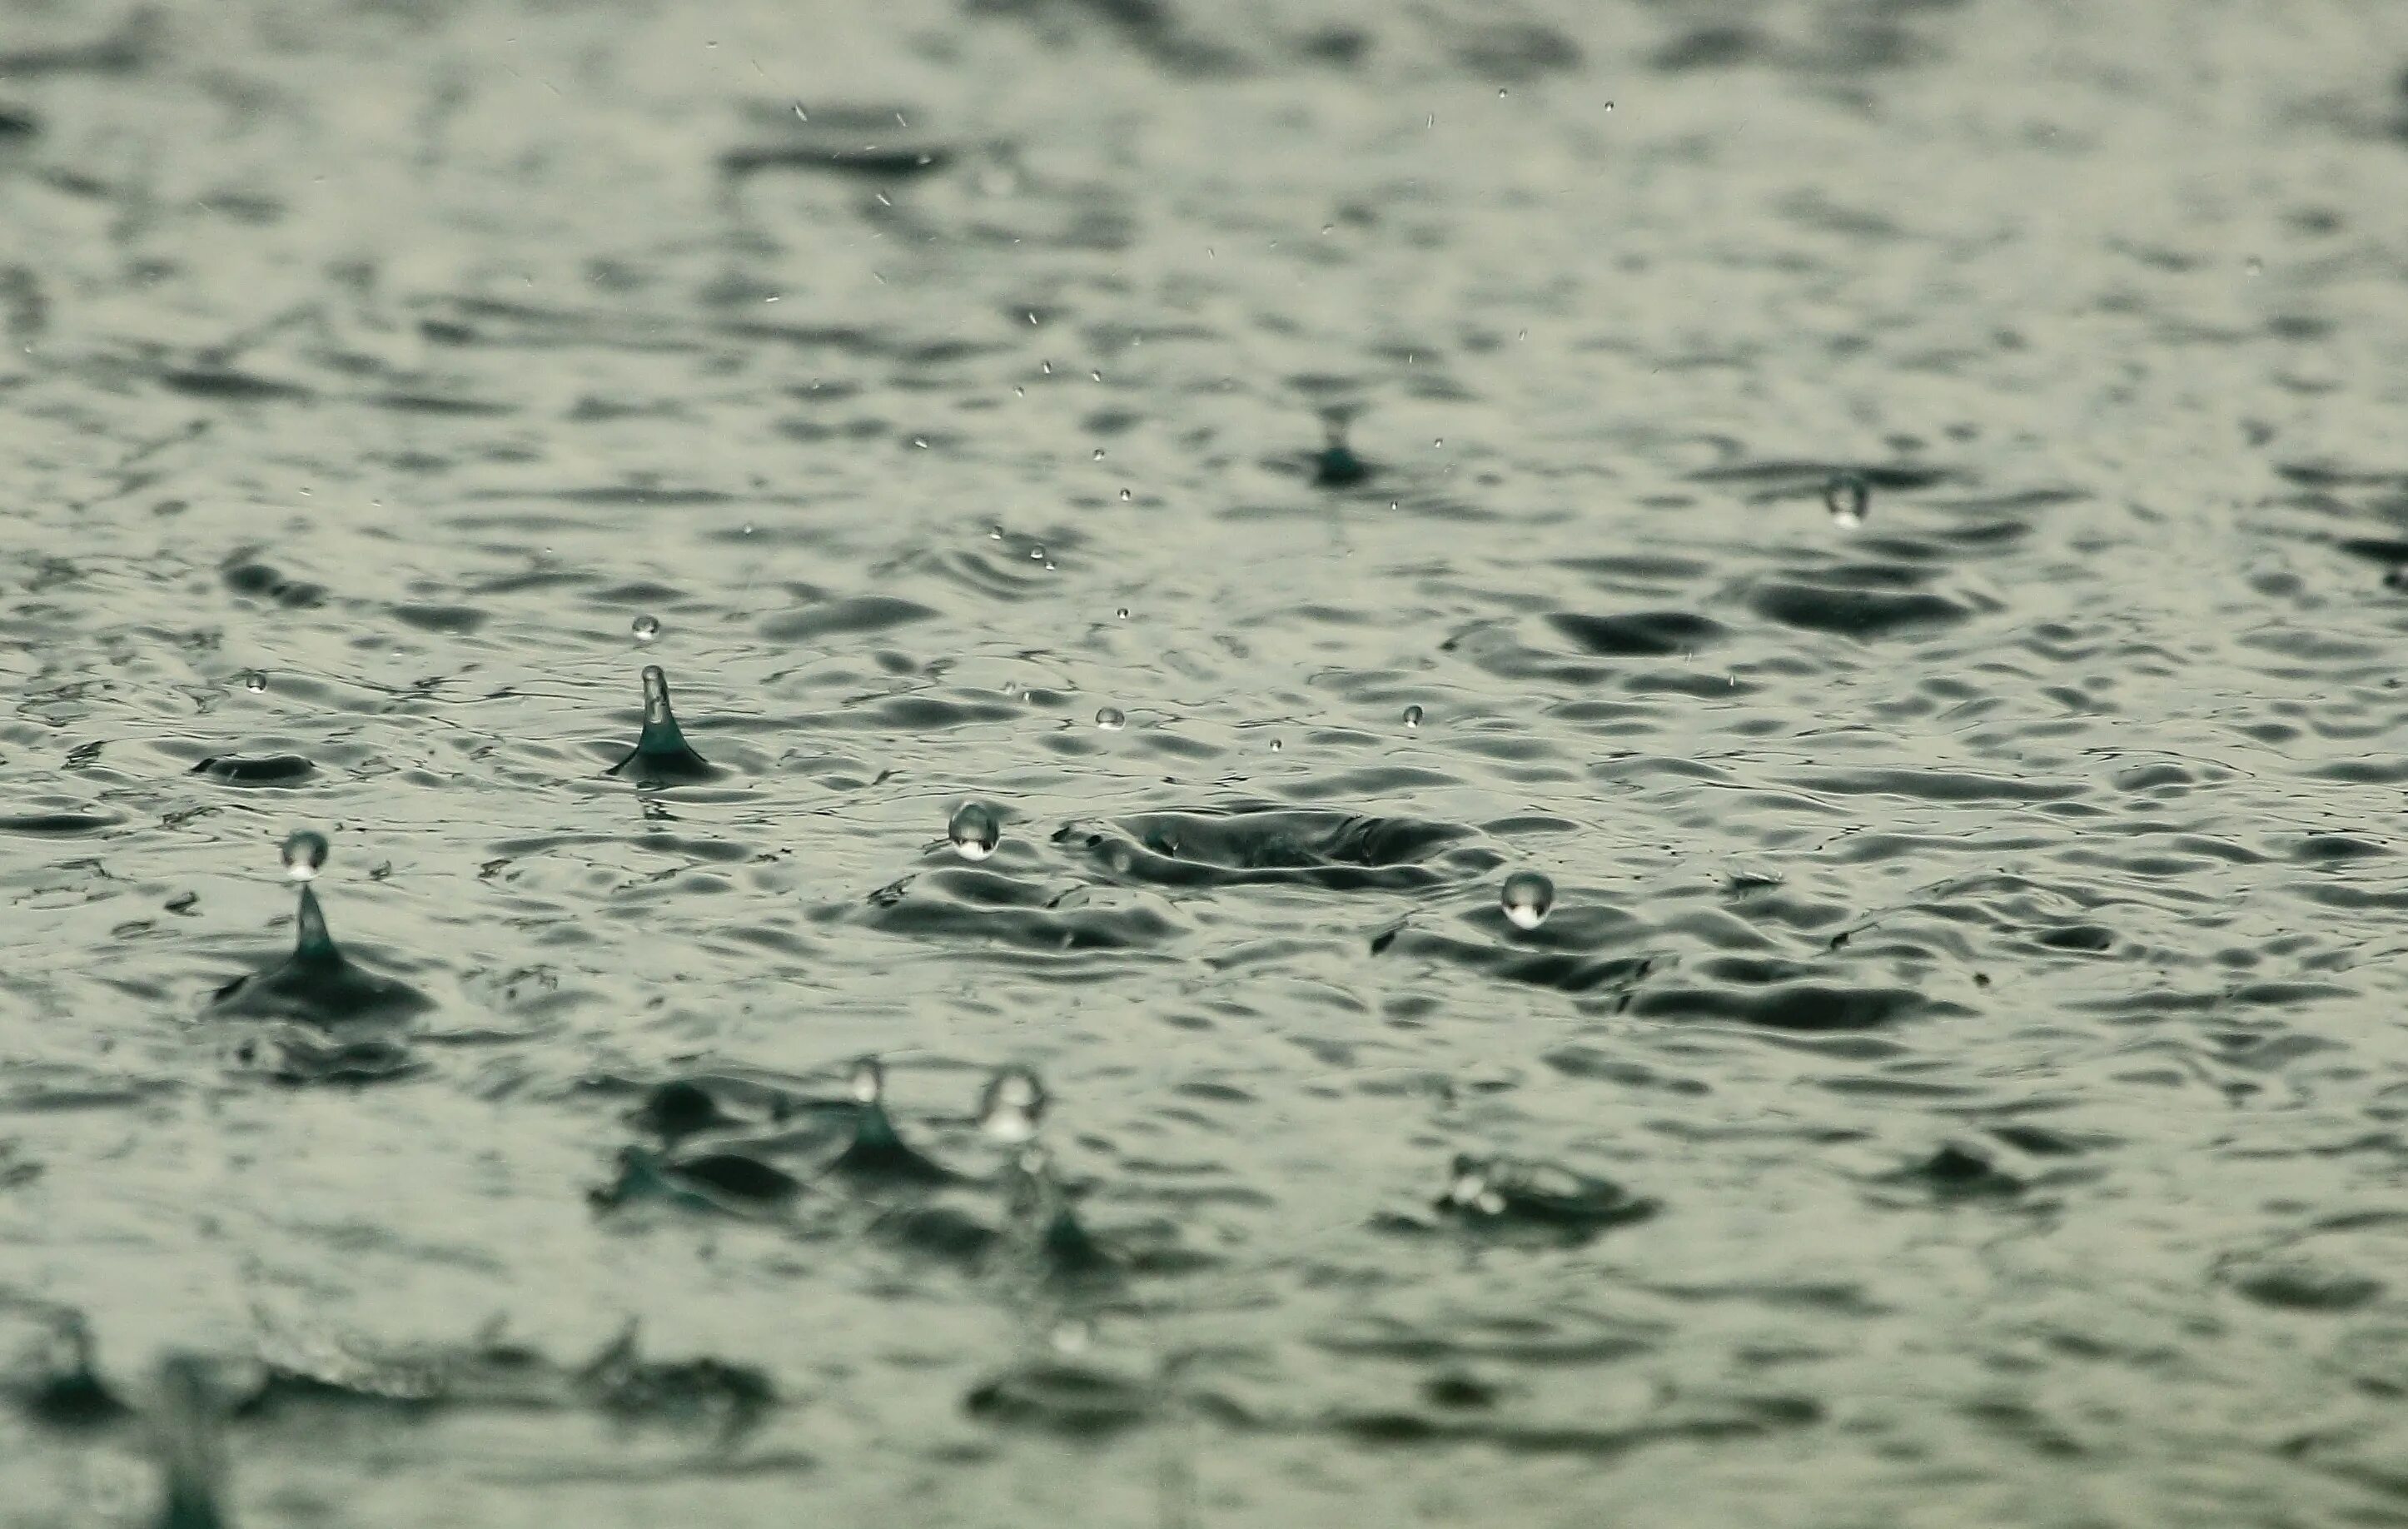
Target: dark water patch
x,y
56,824
125,50
1070,1400
1568,971
896,162
1853,613
2087,939
19,124
448,620
1806,1006
1263,845
1643,635
1155,29
852,617
726,1398
2333,848
1510,1194
1945,787
233,386
732,1182
439,404
1960,1173
245,575
1060,924
257,769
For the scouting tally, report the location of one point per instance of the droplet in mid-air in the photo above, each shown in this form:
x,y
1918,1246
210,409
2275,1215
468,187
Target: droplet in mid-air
x,y
1111,719
868,1083
1124,496
1413,716
304,854
253,681
975,831
1012,1107
1526,897
646,628
661,752
1846,495
1122,612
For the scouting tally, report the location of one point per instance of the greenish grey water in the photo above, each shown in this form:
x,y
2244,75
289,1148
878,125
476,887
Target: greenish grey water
x,y
1960,1070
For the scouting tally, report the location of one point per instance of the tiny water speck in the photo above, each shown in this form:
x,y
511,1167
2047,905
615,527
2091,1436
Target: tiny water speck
x,y
1413,716
975,831
253,681
646,628
304,854
1526,897
1111,719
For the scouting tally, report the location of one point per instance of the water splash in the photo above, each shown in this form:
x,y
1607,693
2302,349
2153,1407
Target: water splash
x,y
877,1151
661,754
1336,465
192,1459
317,983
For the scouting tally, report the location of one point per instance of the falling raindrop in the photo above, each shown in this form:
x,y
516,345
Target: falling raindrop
x,y
975,831
1124,496
1111,719
868,1083
1526,897
253,681
1277,745
646,628
1122,612
304,854
1846,496
1012,1107
1413,716
1099,455
1037,554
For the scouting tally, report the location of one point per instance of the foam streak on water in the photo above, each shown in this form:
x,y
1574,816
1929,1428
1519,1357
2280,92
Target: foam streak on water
x,y
1291,467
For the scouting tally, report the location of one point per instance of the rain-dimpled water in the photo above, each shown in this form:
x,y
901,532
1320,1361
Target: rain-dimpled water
x,y
1137,763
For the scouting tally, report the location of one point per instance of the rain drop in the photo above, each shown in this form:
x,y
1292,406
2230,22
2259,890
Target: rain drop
x,y
1111,719
1526,897
1413,716
1846,495
1037,554
975,831
1099,455
304,854
646,628
253,681
1012,1107
1277,745
1124,496
1122,612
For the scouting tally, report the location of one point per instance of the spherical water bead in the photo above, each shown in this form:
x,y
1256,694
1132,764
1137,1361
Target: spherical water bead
x,y
1846,496
253,681
1012,1107
646,628
975,831
1124,496
868,1084
304,854
1413,716
1111,719
1526,897
1122,612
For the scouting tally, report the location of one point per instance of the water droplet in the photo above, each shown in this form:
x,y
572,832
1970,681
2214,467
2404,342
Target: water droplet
x,y
1096,375
1438,443
975,831
1122,612
1277,745
304,854
1413,716
1012,1107
1846,496
646,628
1111,719
867,1082
1501,92
1124,496
1048,366
253,681
1099,455
1526,897
2256,267
1037,554
995,533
